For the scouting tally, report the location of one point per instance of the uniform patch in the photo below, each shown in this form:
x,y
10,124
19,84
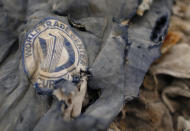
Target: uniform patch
x,y
52,51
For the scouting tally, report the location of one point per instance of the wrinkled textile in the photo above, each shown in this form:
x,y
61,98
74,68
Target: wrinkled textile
x,y
119,56
166,85
172,78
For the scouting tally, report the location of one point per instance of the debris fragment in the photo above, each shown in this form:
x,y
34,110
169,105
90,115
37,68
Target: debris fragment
x,y
145,5
171,39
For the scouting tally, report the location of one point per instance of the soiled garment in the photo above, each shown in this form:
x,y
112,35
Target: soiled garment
x,y
118,54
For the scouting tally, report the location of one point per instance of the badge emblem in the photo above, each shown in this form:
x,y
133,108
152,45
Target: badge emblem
x,y
52,51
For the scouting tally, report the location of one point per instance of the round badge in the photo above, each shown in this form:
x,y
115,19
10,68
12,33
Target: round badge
x,y
52,51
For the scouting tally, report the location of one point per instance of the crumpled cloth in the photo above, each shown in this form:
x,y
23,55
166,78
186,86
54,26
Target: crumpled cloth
x,y
119,56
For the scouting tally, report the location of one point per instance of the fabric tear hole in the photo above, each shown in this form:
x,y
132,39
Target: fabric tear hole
x,y
160,29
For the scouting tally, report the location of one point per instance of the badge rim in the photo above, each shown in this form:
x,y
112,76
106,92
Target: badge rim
x,y
38,24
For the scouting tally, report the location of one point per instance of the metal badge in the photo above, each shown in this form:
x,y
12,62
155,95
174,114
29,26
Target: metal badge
x,y
52,51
